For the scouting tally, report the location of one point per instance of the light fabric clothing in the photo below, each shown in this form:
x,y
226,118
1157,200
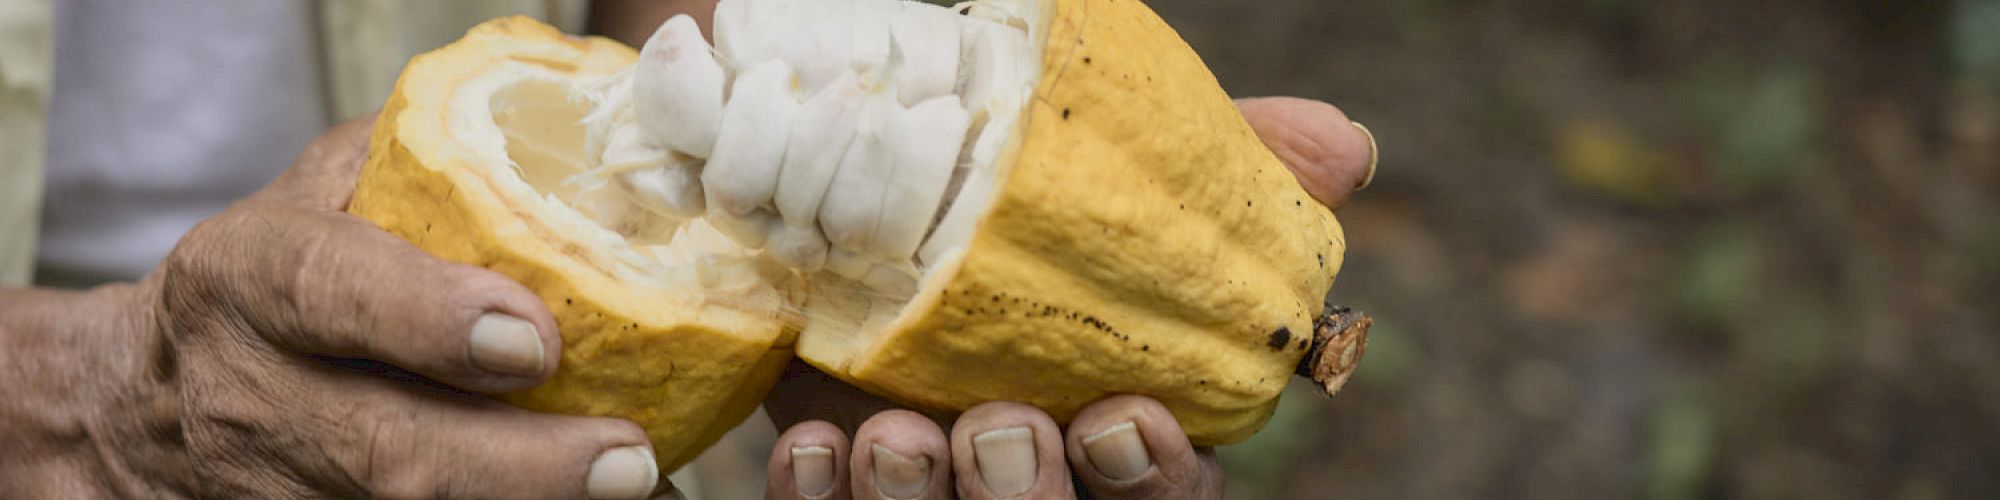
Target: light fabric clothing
x,y
368,41
24,90
164,112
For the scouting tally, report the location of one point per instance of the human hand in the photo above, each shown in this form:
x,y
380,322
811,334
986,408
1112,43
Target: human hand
x,y
290,350
841,443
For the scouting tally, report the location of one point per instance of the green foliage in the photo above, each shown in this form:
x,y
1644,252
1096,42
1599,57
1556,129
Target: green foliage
x,y
1682,444
1762,123
1389,357
1975,38
1719,273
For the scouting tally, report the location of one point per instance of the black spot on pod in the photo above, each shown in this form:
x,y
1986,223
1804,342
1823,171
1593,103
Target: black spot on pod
x,y
1065,113
1280,338
1086,59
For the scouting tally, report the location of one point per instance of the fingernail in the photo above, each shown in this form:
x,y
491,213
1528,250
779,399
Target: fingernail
x,y
1118,452
1006,460
1374,155
812,470
622,473
898,476
506,344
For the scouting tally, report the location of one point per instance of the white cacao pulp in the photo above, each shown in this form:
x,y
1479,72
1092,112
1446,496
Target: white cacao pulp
x,y
855,137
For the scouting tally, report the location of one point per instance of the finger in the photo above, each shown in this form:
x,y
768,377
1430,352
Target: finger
x,y
1008,450
329,284
402,441
900,454
1131,447
809,461
1331,155
324,174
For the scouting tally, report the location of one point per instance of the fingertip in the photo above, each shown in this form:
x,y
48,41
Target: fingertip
x,y
808,461
616,454
625,472
1132,447
1109,440
506,344
1142,410
512,299
904,429
510,341
899,455
1374,157
1331,155
1006,450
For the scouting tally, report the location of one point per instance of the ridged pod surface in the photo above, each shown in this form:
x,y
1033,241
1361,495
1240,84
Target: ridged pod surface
x,y
1144,242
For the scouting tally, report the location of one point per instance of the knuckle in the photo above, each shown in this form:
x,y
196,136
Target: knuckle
x,y
192,260
317,274
392,463
333,147
312,261
199,275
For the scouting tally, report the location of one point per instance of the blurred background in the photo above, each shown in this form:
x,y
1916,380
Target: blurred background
x,y
1633,249
1616,249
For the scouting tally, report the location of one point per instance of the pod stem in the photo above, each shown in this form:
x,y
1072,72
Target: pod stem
x,y
1339,338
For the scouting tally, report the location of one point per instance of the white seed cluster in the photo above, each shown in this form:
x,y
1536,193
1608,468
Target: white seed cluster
x,y
857,137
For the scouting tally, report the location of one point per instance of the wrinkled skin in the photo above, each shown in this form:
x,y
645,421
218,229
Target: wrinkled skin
x,y
286,349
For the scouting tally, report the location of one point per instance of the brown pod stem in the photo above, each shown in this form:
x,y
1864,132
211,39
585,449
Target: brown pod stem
x,y
1339,338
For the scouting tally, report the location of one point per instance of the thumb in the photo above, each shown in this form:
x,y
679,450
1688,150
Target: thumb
x,y
1331,155
330,284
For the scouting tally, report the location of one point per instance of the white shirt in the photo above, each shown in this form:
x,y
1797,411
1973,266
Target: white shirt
x,y
163,113
166,111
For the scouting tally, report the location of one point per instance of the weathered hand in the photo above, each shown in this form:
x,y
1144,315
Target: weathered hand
x,y
289,350
842,443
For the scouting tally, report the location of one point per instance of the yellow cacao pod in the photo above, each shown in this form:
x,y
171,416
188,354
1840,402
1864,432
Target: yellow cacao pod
x,y
1129,235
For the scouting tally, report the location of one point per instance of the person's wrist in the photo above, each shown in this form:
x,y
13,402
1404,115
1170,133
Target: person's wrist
x,y
92,401
158,457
